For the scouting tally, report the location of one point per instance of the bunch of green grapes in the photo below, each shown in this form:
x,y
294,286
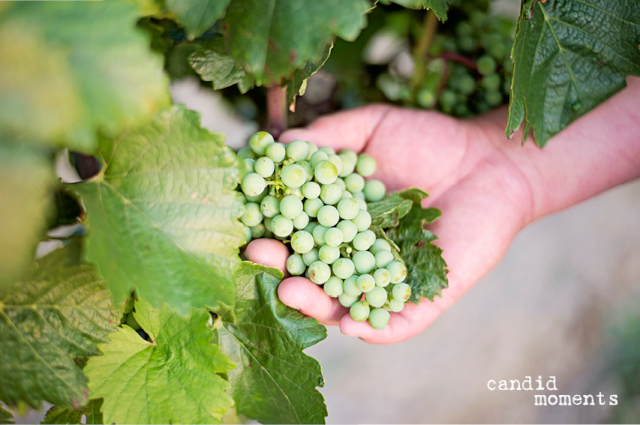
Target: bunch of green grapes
x,y
315,201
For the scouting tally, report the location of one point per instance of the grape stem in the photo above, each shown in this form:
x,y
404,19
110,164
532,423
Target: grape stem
x,y
420,52
456,57
276,110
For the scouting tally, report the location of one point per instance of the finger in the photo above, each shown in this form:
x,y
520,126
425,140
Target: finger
x,y
311,300
268,252
347,130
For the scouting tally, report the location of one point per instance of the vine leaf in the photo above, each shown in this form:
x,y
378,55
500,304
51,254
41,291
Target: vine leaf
x,y
439,7
298,83
162,214
388,211
62,311
6,417
212,63
196,15
67,415
171,378
80,66
271,39
26,176
275,381
566,65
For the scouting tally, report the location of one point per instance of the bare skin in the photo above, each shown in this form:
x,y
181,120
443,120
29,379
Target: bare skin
x,y
488,188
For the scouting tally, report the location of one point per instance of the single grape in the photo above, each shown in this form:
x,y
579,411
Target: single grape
x,y
260,141
290,206
364,261
395,305
401,292
317,158
447,99
246,153
318,234
355,183
335,159
270,206
349,153
333,237
366,165
382,277
490,82
379,318
326,172
486,65
466,44
348,229
359,311
253,184
293,175
264,166
348,164
340,182
328,254
374,190
426,97
351,286
310,257
319,272
348,208
247,233
252,215
250,163
366,283
267,224
463,28
346,195
362,220
312,149
297,150
398,271
466,84
358,194
310,227
307,169
347,300
281,226
302,242
276,152
330,193
383,258
364,240
493,98
328,150
257,231
376,297
380,245
311,190
301,221
259,197
362,204
312,207
295,265
333,287
328,216
343,268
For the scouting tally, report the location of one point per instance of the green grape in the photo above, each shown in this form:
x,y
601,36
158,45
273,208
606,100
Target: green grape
x,y
383,258
307,168
348,164
382,277
312,149
333,237
326,172
328,150
328,216
310,227
311,190
351,286
364,261
264,166
328,254
319,272
270,206
364,240
366,283
246,153
252,215
380,245
358,195
293,175
355,183
281,226
253,184
333,287
359,311
301,221
257,231
259,142
247,233
379,318
426,98
362,220
276,152
486,65
490,82
401,292
302,242
347,300
395,305
297,150
348,208
346,195
267,224
259,197
447,99
348,229
295,265
376,297
317,158
343,268
318,234
493,98
362,204
463,28
312,207
310,257
374,190
335,160
330,193
340,182
398,271
290,206
296,191
466,84
466,44
461,109
366,165
349,153
250,163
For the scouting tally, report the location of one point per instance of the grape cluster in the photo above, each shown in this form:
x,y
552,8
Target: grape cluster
x,y
315,201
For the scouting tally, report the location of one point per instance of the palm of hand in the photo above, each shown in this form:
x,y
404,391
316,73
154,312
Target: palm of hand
x,y
483,196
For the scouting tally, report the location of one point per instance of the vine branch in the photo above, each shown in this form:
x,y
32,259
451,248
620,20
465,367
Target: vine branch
x,y
276,110
420,51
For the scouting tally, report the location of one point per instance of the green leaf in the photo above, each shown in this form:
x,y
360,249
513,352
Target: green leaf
x,y
298,84
568,58
196,15
273,38
162,214
439,7
71,67
171,378
26,177
212,63
62,311
388,211
67,415
427,270
6,417
275,381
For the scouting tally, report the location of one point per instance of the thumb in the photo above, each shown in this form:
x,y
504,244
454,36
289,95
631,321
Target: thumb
x,y
268,252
